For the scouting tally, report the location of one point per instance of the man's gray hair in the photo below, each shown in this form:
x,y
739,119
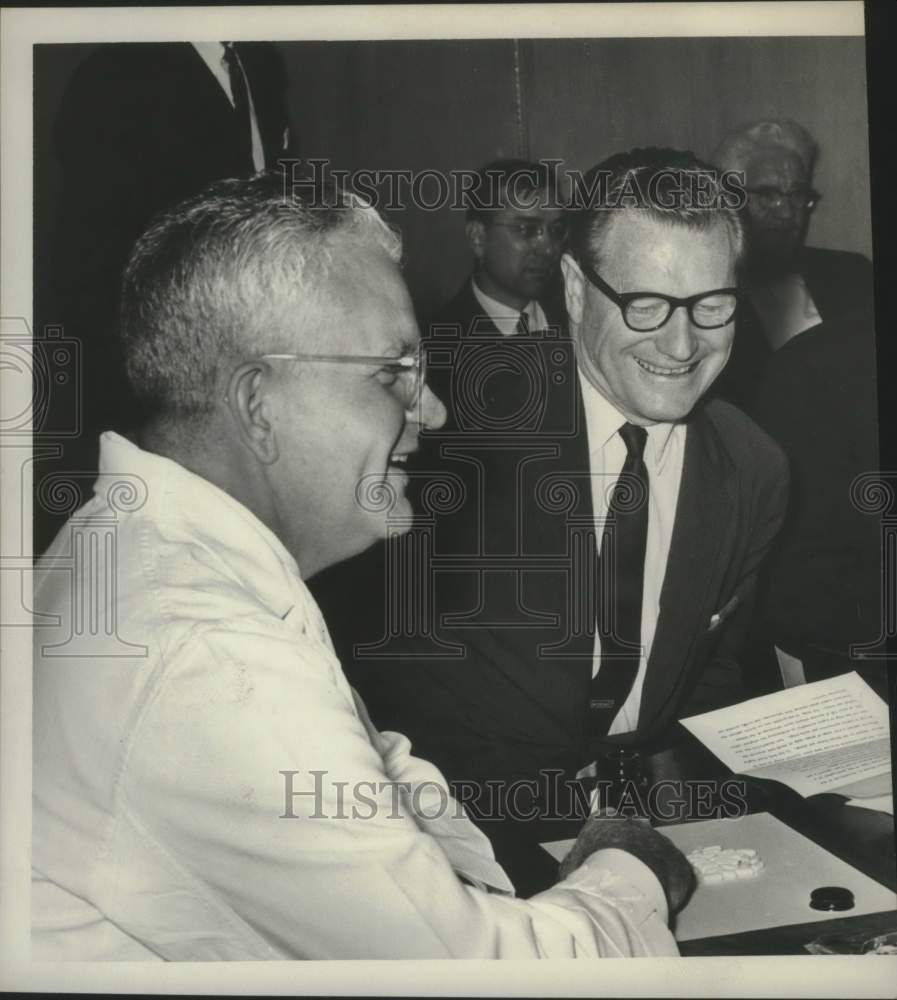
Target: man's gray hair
x,y
210,281
737,148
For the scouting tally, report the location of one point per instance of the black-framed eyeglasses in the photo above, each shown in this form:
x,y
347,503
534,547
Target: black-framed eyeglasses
x,y
408,372
770,197
530,230
647,311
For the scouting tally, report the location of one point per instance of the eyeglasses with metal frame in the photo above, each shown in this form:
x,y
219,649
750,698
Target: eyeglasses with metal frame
x,y
409,371
771,197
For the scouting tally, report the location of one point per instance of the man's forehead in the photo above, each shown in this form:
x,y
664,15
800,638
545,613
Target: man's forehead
x,y
770,163
365,308
528,203
637,241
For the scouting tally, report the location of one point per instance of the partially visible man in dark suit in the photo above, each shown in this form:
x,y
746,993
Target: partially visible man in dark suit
x,y
822,597
140,127
516,231
589,584
790,287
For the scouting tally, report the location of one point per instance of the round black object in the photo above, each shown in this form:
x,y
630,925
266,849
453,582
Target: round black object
x,y
831,897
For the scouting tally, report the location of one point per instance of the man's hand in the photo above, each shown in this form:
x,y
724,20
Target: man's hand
x,y
639,839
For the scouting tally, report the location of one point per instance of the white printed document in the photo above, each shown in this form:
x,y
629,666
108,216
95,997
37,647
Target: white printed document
x,y
829,736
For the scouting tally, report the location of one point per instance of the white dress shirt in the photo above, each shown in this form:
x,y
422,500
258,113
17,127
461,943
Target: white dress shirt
x,y
207,786
664,454
504,317
212,54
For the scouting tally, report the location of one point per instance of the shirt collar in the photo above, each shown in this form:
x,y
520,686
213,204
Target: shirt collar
x,y
210,51
195,509
504,316
212,54
603,420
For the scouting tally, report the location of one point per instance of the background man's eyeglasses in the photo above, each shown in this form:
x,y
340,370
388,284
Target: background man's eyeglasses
x,y
408,372
771,197
647,311
531,230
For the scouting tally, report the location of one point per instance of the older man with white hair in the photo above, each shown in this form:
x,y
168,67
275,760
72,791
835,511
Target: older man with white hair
x,y
206,785
791,287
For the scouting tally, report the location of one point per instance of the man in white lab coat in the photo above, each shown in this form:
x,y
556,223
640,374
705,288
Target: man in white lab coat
x,y
206,784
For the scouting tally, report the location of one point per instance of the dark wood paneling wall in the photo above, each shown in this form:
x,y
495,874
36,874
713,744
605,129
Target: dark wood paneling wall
x,y
588,99
454,104
414,106
450,105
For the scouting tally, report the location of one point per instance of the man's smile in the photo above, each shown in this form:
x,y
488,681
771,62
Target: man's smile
x,y
667,371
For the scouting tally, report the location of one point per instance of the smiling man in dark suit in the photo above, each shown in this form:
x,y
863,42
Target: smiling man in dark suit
x,y
651,285
592,578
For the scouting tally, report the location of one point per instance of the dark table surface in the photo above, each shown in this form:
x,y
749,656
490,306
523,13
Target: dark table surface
x,y
861,837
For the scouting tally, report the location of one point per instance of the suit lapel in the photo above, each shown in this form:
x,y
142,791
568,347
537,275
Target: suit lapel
x,y
219,119
478,322
698,556
205,83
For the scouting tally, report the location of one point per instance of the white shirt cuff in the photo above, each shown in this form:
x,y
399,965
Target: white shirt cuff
x,y
628,867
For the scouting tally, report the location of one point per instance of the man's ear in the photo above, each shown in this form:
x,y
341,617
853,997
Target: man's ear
x,y
574,288
247,399
476,236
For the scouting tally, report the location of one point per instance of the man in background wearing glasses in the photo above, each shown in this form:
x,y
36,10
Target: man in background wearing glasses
x,y
789,287
804,365
206,784
516,231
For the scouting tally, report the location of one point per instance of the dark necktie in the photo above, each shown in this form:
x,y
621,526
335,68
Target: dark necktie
x,y
522,325
240,94
620,582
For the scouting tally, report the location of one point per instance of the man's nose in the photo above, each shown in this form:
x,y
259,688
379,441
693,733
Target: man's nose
x,y
676,338
430,410
783,207
545,240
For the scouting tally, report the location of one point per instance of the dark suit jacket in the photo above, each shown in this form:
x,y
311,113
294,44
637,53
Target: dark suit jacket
x,y
142,126
139,128
823,588
503,587
839,283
